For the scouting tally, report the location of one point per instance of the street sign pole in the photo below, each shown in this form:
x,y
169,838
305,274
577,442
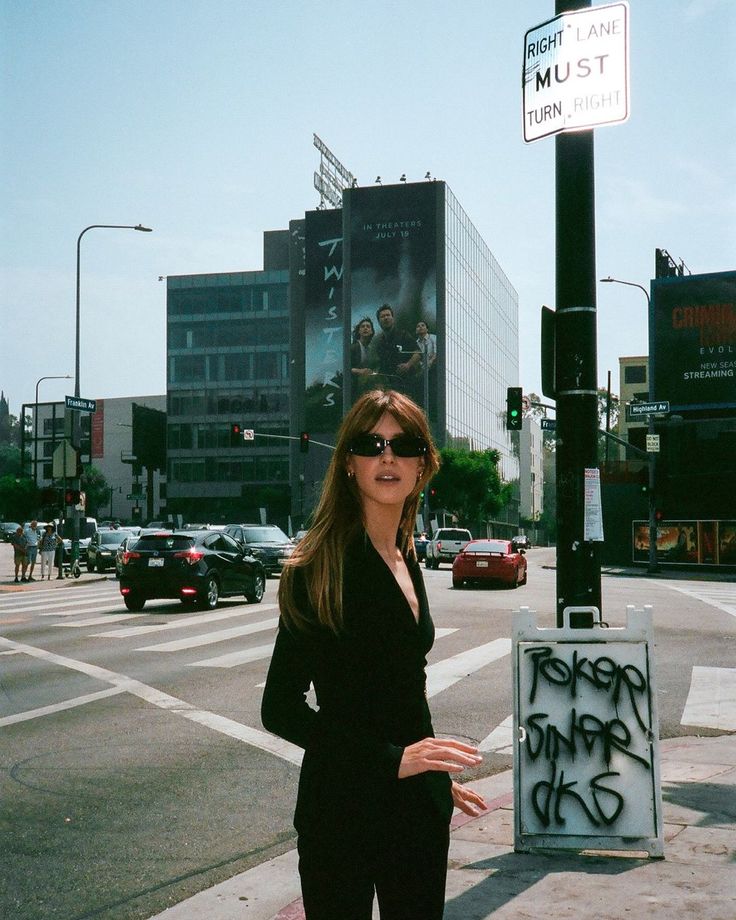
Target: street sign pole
x,y
578,561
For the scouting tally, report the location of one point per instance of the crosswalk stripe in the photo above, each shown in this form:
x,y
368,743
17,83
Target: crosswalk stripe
x,y
211,637
501,739
47,605
233,659
247,656
60,707
182,622
79,610
101,621
711,701
707,596
444,674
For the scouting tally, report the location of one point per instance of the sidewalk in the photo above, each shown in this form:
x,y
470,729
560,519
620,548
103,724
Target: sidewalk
x,y
486,879
9,586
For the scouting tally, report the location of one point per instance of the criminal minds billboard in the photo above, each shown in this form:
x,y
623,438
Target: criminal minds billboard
x,y
692,335
391,257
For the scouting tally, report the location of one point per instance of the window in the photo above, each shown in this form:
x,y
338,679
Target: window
x,y
635,373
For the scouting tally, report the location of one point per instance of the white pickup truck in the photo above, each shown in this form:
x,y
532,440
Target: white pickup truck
x,y
446,543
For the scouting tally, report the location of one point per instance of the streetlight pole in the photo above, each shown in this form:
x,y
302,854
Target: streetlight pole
x,y
653,565
35,421
76,439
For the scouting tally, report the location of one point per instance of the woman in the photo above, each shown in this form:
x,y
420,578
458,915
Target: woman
x,y
375,792
362,337
49,541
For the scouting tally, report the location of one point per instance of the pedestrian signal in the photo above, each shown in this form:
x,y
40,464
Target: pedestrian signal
x,y
304,442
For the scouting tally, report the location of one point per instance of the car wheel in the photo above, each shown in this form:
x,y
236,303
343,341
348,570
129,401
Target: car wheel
x,y
255,595
210,597
134,601
458,583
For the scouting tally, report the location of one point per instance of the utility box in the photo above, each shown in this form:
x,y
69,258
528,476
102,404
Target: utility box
x,y
586,752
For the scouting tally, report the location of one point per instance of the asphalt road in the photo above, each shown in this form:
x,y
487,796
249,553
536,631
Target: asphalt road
x,y
133,768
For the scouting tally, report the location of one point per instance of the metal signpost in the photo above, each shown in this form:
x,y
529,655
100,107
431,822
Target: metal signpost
x,y
574,77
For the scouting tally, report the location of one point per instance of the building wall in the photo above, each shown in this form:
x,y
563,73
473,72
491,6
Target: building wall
x,y
228,362
107,443
633,385
481,320
531,469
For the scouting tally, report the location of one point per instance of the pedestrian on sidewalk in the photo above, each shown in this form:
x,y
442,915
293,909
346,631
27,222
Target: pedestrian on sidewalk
x,y
20,559
376,791
49,541
33,535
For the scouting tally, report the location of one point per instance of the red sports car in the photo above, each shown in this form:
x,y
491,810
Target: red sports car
x,y
489,561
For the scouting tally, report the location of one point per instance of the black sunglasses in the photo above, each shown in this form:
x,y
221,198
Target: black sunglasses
x,y
403,445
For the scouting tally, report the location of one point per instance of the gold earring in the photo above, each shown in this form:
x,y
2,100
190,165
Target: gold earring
x,y
351,474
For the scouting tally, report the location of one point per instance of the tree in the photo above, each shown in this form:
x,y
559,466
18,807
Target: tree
x,y
95,487
468,484
19,498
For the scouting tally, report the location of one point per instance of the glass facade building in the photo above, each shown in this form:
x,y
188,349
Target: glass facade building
x,y
227,363
481,332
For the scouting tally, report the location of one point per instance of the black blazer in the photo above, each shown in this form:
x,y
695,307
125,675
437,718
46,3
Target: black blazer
x,y
371,692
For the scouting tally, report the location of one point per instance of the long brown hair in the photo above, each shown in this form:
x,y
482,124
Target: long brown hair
x,y
338,518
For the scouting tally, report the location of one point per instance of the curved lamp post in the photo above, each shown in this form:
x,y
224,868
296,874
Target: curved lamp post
x,y
75,427
653,565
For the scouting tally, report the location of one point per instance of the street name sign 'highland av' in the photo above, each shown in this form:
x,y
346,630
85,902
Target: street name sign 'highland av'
x,y
576,71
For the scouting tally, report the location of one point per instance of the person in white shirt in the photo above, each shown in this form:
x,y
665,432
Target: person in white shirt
x,y
33,535
427,343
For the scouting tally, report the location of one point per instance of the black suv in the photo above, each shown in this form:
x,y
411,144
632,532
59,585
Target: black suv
x,y
197,567
102,548
267,542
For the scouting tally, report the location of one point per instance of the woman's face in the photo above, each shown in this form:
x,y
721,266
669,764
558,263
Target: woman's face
x,y
385,479
365,330
422,329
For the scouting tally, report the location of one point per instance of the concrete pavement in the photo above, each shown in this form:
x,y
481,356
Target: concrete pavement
x,y
486,878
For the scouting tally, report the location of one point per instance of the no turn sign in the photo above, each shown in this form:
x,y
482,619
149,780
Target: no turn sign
x,y
576,71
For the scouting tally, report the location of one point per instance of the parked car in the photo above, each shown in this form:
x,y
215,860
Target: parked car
x,y
7,529
267,542
194,566
102,548
446,543
489,561
420,545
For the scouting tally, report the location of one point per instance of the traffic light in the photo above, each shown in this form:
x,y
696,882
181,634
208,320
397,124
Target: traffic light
x,y
304,442
71,497
236,434
513,408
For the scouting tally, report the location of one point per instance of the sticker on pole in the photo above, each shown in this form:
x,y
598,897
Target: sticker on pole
x,y
576,71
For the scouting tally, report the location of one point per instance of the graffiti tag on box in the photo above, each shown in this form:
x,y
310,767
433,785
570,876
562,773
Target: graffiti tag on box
x,y
585,755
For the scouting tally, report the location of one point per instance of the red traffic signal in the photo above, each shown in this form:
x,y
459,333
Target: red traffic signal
x,y
71,497
304,442
236,434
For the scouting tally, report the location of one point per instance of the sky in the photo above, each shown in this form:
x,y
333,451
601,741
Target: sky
x,y
196,119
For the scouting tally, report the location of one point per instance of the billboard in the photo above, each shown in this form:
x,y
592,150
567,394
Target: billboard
x,y
323,321
391,257
692,336
688,542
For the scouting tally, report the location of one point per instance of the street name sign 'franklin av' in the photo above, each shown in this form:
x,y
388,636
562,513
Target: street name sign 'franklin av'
x,y
80,404
576,71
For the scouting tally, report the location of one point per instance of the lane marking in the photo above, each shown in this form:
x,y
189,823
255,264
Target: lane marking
x,y
78,602
165,701
501,739
703,596
59,707
445,673
711,701
182,622
80,611
22,595
211,637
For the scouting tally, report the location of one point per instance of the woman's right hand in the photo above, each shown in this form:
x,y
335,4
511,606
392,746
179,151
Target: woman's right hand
x,y
443,754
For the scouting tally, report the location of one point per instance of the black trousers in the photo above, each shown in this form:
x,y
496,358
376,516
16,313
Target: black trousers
x,y
404,863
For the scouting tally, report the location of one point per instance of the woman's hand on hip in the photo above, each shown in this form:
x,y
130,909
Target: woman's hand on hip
x,y
443,754
468,801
